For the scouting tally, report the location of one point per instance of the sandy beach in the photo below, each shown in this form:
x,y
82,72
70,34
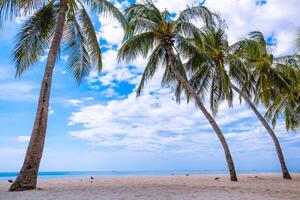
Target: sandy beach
x,y
204,187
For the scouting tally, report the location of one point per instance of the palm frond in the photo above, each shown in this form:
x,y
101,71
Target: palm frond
x,y
14,8
91,38
139,44
146,11
169,77
188,47
142,24
186,29
107,9
197,12
287,60
259,37
77,46
201,79
156,58
142,18
278,109
34,37
239,72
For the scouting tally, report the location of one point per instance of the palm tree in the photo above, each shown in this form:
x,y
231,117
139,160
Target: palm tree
x,y
156,33
263,66
53,21
290,71
208,53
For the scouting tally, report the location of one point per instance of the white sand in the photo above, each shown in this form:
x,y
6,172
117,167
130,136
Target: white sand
x,y
265,187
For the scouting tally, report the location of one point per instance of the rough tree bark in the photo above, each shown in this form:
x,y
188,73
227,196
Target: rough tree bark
x,y
27,178
208,116
285,172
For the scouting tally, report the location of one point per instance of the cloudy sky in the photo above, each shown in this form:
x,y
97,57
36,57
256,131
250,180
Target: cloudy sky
x,y
101,125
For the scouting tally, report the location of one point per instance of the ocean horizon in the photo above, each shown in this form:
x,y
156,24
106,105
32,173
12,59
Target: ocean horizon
x,y
83,174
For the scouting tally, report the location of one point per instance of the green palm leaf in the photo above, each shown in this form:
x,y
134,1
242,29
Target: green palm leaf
x,y
137,45
77,46
13,8
107,9
198,12
156,58
91,38
34,37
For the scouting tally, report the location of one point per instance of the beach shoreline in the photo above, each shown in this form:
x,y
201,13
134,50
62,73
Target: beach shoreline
x,y
260,186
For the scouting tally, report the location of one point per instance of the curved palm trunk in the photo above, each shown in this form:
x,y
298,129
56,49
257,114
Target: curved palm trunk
x,y
285,172
27,178
208,116
287,104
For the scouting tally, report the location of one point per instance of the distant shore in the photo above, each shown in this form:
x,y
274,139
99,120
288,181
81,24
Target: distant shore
x,y
183,187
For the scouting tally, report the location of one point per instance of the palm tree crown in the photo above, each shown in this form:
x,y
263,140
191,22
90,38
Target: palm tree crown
x,y
212,63
57,24
156,33
291,74
275,76
80,40
216,67
151,30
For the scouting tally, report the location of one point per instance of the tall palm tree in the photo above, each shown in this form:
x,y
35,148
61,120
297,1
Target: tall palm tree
x,y
263,65
208,53
156,33
53,21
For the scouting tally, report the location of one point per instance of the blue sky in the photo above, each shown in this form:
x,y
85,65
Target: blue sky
x,y
100,125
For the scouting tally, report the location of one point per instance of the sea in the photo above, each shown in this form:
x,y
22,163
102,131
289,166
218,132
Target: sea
x,y
85,174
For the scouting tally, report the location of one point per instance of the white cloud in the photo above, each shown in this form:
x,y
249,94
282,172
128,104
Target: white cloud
x,y
174,6
88,98
110,92
51,111
3,73
23,138
65,58
121,5
154,121
135,123
74,102
78,102
17,91
275,17
114,72
242,16
111,30
21,19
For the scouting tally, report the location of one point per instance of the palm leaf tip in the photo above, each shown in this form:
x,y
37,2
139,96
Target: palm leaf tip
x,y
155,59
106,8
77,45
91,37
198,12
